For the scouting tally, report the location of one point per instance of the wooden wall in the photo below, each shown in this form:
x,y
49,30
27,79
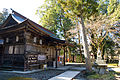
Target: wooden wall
x,y
34,48
13,52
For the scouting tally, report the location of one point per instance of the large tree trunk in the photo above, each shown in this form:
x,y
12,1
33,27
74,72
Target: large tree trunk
x,y
85,45
99,56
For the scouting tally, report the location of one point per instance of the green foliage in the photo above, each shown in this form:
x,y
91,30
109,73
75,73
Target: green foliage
x,y
77,8
109,47
100,33
109,76
114,10
111,8
80,10
1,18
78,58
3,15
20,78
95,76
52,17
61,52
103,5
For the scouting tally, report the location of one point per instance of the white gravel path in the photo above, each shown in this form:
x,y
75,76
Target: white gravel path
x,y
68,75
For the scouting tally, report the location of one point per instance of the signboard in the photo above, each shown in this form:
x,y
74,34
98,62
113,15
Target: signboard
x,y
41,57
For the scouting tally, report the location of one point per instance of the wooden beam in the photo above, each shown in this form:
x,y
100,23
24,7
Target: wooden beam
x,y
14,30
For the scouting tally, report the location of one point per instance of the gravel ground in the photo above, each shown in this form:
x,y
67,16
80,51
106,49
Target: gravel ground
x,y
42,75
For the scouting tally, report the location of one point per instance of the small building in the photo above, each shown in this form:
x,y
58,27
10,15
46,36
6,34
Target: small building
x,y
25,45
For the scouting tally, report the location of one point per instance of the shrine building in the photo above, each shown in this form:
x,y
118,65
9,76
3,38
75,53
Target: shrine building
x,y
25,45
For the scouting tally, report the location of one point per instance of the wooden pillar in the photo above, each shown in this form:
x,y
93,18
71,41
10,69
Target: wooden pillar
x,y
56,58
64,56
13,56
3,52
26,36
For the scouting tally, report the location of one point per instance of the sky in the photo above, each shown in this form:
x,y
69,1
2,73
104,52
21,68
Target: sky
x,y
24,7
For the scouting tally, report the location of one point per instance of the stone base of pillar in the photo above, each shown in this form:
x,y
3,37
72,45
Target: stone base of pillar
x,y
119,63
98,61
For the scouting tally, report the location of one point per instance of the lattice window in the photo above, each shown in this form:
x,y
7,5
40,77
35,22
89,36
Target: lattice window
x,y
40,41
19,49
10,49
35,39
7,40
17,38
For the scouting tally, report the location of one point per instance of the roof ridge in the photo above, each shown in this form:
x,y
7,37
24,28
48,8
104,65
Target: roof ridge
x,y
23,17
18,14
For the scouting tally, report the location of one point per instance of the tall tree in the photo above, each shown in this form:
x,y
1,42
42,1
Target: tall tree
x,y
98,30
76,34
114,13
81,9
109,10
52,17
103,5
1,18
3,15
114,10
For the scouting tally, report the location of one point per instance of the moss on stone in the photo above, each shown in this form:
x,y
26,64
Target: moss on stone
x,y
20,78
109,76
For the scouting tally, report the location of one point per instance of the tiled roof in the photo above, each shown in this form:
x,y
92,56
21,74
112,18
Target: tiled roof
x,y
20,18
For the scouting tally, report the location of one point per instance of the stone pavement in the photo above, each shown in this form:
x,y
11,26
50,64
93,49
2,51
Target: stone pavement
x,y
114,69
64,67
117,70
68,75
61,68
78,68
24,72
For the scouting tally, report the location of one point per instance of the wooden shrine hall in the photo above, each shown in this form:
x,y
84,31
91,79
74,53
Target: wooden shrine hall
x,y
25,45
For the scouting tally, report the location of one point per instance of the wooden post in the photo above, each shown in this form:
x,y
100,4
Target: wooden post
x,y
56,58
26,36
13,56
64,56
3,48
